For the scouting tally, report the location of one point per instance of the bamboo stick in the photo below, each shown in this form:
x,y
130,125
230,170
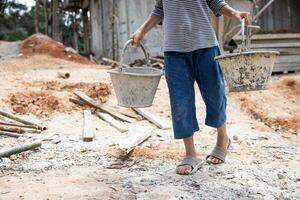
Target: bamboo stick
x,y
18,119
19,149
64,75
18,130
10,134
17,125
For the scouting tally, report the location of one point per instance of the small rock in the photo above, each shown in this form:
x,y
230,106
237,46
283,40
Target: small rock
x,y
235,138
280,176
139,118
83,149
13,157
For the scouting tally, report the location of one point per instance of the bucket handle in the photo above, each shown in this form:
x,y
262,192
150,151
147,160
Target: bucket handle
x,y
124,49
243,27
246,38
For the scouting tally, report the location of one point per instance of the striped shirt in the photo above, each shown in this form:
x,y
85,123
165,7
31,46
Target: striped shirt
x,y
187,24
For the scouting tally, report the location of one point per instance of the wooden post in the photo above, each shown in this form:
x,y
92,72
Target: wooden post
x,y
88,132
36,15
74,29
96,29
86,31
46,16
55,20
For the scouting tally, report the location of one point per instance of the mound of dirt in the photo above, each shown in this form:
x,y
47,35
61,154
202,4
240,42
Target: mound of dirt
x,y
42,44
37,103
98,91
278,106
44,98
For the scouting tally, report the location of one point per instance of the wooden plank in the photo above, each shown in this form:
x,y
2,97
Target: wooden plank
x,y
281,67
103,108
288,59
152,118
275,36
123,150
19,149
114,123
88,132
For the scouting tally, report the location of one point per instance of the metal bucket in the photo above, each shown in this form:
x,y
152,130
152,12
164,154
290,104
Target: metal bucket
x,y
247,70
135,87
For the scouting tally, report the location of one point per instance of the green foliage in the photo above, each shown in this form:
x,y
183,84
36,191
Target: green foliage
x,y
17,22
13,20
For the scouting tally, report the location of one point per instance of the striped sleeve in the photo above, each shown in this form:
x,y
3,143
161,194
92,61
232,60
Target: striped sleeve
x,y
158,10
216,5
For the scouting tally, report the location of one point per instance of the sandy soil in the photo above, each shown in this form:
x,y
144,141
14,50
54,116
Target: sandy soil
x,y
263,162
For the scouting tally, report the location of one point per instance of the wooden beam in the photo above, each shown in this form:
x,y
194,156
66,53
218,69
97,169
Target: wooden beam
x,y
19,149
152,118
102,108
88,132
114,123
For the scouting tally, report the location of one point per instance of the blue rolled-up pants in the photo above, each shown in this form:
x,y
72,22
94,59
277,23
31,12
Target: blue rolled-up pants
x,y
182,70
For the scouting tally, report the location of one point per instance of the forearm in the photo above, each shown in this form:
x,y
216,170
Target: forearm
x,y
228,11
151,22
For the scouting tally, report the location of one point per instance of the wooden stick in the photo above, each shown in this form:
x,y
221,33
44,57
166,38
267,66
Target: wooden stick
x,y
157,59
17,125
88,132
10,134
19,149
77,101
18,119
129,113
103,108
18,130
152,118
113,62
114,123
126,149
64,75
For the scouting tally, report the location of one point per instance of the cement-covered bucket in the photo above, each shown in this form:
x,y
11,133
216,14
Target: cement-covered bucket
x,y
247,70
135,87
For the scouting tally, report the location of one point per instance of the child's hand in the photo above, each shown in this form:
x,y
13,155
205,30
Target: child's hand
x,y
240,15
137,37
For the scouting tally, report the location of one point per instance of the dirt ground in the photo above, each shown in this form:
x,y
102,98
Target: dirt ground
x,y
263,162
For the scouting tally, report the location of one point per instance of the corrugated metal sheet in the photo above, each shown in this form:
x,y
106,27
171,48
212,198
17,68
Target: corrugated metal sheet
x,y
115,21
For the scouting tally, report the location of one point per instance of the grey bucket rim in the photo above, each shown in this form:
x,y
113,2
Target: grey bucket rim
x,y
117,71
246,53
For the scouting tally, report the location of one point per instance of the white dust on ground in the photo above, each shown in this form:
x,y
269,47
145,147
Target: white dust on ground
x,y
262,164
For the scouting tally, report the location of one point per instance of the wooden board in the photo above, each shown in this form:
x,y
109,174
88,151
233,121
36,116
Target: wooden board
x,y
103,108
152,118
88,132
114,123
125,149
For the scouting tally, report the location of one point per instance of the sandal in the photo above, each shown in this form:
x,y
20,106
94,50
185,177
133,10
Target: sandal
x,y
219,153
193,162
